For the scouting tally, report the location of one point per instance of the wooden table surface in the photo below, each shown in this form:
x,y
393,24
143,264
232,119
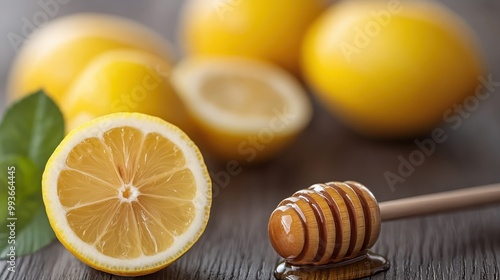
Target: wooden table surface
x,y
458,245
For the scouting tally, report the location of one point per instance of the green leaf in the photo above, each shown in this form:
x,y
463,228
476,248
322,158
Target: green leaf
x,y
20,179
32,127
29,133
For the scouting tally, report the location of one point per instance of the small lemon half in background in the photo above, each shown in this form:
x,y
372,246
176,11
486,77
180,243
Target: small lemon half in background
x,y
391,68
246,110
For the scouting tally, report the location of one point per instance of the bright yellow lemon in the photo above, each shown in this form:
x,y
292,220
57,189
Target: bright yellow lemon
x,y
269,30
124,81
391,68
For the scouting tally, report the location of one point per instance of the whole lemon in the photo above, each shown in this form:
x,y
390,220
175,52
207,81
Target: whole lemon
x,y
56,53
391,68
124,80
262,29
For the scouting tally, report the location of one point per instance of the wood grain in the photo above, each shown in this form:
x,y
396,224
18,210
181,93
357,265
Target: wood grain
x,y
458,245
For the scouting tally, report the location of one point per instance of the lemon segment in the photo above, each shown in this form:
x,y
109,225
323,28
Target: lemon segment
x,y
245,109
127,193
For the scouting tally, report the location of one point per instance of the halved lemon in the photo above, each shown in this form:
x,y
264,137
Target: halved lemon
x,y
127,193
246,109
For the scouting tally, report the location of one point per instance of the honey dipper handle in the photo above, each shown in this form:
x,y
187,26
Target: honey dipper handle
x,y
445,201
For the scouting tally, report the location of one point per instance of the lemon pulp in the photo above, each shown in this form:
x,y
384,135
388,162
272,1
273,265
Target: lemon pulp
x,y
242,96
121,191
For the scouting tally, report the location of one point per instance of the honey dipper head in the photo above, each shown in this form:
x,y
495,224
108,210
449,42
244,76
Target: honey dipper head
x,y
325,223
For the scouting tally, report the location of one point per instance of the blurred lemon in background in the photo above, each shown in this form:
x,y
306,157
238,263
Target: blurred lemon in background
x,y
96,64
269,30
123,81
391,68
246,110
57,52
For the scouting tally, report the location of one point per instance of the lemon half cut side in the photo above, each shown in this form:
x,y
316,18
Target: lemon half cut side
x,y
245,109
127,193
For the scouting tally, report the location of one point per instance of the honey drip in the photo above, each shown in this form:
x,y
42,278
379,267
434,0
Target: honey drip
x,y
363,266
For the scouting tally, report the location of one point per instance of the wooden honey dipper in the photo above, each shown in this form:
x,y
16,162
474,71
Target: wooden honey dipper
x,y
333,222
